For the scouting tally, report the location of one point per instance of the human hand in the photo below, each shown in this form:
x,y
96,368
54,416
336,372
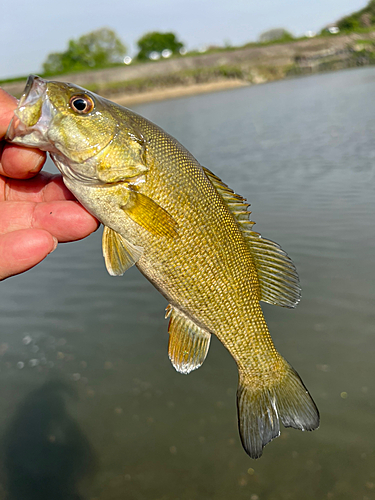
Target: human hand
x,y
36,210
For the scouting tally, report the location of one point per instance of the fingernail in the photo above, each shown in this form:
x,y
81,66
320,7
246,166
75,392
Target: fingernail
x,y
55,243
38,164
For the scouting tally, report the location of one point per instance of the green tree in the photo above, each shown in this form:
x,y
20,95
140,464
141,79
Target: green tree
x,y
157,42
364,18
97,49
276,35
350,23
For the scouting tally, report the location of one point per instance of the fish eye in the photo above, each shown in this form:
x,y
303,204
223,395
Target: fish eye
x,y
81,104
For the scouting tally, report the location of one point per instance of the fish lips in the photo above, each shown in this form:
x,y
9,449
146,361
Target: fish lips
x,y
32,117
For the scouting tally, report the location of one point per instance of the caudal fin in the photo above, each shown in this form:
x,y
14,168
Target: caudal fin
x,y
263,403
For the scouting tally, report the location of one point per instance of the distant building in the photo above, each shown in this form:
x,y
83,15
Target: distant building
x,y
166,53
154,55
332,29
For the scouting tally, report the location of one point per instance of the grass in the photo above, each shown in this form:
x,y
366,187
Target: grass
x,y
212,50
13,80
185,77
207,74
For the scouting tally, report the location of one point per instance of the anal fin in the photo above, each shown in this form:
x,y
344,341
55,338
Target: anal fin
x,y
119,254
188,343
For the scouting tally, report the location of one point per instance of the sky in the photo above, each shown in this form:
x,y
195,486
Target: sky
x,y
40,27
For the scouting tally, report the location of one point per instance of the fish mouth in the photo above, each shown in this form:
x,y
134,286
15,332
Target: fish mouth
x,y
32,116
32,81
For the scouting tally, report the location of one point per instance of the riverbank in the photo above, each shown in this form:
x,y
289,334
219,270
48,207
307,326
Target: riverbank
x,y
221,70
126,99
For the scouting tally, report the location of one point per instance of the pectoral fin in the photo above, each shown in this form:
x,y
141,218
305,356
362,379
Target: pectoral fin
x,y
188,343
151,216
119,254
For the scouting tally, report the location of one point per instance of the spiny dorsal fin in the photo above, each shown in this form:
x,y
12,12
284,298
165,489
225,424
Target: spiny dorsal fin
x,y
119,254
236,203
188,343
278,278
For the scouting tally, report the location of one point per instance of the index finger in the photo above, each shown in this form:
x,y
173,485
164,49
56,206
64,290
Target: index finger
x,y
8,104
16,161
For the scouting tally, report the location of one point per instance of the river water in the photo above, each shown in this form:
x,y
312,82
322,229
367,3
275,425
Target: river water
x,y
90,406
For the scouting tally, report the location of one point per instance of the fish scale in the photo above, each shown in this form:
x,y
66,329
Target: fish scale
x,y
188,233
233,283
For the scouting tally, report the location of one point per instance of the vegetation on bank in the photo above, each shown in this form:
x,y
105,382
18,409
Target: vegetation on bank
x,y
103,48
95,50
363,55
58,63
362,20
157,44
361,52
75,58
185,77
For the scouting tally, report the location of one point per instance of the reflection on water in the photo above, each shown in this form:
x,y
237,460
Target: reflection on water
x,y
302,152
46,454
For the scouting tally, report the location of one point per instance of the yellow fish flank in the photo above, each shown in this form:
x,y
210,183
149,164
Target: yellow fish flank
x,y
187,232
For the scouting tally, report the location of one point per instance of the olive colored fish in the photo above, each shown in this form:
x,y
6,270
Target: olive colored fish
x,y
187,232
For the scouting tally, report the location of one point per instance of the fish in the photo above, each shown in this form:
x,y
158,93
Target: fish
x,y
187,232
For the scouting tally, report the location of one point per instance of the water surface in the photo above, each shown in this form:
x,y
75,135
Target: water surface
x,y
87,390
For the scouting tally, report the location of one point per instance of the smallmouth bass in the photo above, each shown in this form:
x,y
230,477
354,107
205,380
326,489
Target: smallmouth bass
x,y
187,232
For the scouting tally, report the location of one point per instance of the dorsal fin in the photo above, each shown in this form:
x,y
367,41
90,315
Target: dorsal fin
x,y
236,203
278,277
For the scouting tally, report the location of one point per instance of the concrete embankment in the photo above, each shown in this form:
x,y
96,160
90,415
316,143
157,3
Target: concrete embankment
x,y
216,71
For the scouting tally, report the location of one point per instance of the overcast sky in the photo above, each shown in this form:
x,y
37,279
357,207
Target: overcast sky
x,y
31,29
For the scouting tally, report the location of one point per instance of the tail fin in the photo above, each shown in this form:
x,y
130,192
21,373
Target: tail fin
x,y
262,404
